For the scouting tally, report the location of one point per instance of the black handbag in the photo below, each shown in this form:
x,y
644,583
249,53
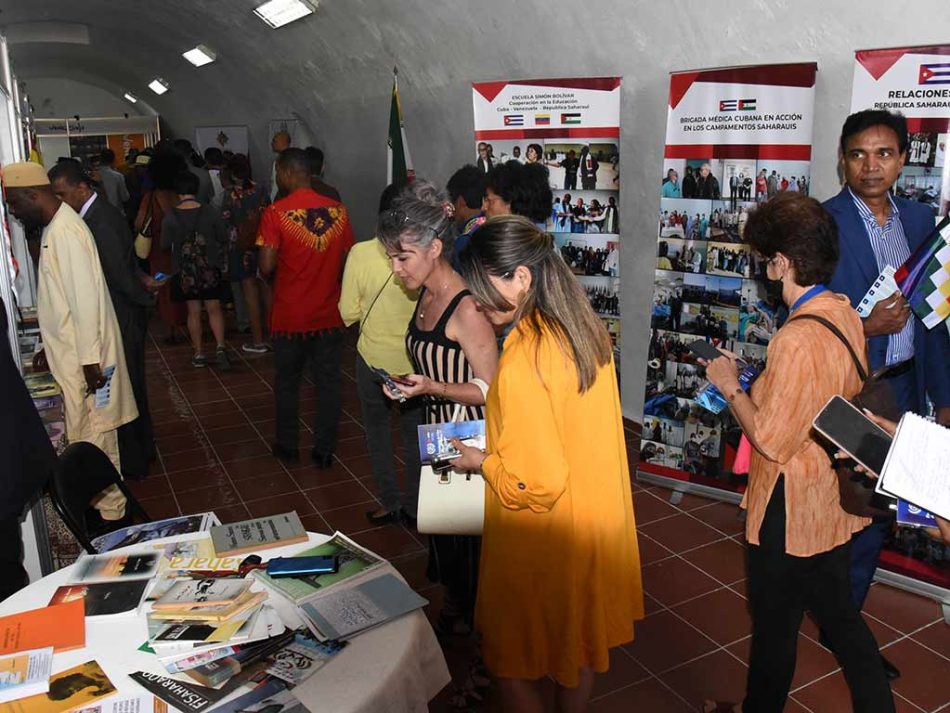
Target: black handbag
x,y
856,490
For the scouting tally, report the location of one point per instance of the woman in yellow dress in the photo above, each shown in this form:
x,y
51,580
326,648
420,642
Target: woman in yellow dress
x,y
559,579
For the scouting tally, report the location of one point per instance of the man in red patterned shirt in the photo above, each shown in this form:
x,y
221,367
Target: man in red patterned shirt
x,y
304,239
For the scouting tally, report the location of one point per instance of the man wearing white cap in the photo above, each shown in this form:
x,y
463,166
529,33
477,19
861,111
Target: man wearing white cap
x,y
81,339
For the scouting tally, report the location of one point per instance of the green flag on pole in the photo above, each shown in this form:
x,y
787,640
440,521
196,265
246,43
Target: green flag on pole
x,y
399,164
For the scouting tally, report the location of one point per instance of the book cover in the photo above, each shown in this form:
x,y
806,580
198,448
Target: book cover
x,y
200,593
62,626
242,604
434,439
105,598
247,655
68,690
106,568
353,560
345,612
25,673
135,534
254,700
257,534
299,660
884,286
182,696
145,703
196,555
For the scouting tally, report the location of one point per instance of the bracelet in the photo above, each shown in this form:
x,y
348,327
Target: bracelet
x,y
732,397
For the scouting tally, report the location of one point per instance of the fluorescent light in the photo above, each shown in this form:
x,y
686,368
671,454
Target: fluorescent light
x,y
200,55
277,13
158,85
130,97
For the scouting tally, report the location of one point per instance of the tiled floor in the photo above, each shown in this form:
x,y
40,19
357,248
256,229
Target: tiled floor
x,y
214,430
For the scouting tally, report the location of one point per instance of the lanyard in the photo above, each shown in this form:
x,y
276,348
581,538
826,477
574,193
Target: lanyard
x,y
816,290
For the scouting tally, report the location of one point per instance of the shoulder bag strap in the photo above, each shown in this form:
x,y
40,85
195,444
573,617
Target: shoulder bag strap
x,y
862,372
373,303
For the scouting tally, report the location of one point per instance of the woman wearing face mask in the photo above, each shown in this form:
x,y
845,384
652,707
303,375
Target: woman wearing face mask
x,y
559,581
451,344
798,536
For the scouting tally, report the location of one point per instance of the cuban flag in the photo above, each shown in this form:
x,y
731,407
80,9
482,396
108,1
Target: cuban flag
x,y
938,73
514,119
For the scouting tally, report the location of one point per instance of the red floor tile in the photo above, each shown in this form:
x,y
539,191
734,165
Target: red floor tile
x,y
681,532
936,637
352,518
650,508
623,671
723,560
673,580
339,495
266,486
717,676
664,641
186,460
649,695
161,507
722,615
902,610
253,467
278,504
651,550
244,449
722,516
202,499
925,676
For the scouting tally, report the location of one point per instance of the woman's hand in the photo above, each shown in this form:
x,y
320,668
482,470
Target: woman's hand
x,y
416,385
723,373
471,458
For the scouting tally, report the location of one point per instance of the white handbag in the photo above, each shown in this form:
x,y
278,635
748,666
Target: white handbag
x,y
451,502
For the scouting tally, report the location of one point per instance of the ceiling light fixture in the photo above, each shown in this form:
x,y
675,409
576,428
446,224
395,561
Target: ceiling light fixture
x,y
277,13
158,85
200,55
130,97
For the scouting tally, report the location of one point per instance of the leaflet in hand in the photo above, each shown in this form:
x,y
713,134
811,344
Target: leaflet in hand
x,y
913,516
884,286
711,398
434,439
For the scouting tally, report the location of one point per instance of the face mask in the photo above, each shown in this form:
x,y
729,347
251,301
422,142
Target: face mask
x,y
773,288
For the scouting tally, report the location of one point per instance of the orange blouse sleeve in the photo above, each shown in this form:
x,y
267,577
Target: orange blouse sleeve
x,y
527,466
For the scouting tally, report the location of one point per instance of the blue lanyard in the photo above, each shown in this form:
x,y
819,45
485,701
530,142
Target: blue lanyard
x,y
816,290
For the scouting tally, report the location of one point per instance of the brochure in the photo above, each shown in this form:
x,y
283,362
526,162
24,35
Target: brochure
x,y
134,534
434,439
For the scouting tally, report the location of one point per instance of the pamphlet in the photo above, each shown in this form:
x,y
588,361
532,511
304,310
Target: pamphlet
x,y
104,392
884,286
913,516
25,673
62,626
135,534
711,398
344,612
434,439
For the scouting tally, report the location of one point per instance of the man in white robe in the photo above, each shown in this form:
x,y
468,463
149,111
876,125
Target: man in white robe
x,y
81,340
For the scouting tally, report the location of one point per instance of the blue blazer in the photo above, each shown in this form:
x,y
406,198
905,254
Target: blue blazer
x,y
856,272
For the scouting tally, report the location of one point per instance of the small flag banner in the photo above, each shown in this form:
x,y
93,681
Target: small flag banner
x,y
924,279
514,119
542,119
571,118
398,162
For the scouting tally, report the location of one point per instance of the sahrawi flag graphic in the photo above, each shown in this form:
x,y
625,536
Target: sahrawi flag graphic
x,y
399,164
925,278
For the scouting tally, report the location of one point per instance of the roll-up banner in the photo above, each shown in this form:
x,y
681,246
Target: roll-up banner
x,y
734,137
916,82
572,127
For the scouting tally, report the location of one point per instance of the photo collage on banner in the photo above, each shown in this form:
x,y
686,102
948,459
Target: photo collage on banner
x,y
916,82
572,127
735,138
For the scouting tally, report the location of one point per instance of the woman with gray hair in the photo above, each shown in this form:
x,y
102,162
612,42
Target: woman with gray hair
x,y
453,349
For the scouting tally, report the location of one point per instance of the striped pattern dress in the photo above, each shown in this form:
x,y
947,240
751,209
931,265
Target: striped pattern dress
x,y
453,559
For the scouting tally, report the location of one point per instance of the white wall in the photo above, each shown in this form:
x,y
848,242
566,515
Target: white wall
x,y
334,70
53,97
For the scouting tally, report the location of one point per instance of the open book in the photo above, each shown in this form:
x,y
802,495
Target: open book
x,y
916,465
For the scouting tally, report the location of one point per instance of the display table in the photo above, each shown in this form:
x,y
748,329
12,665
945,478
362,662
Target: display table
x,y
395,668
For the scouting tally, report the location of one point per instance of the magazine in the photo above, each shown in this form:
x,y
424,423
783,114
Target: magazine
x,y
303,657
113,568
135,534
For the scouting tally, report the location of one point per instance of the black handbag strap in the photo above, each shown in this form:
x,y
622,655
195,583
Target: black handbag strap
x,y
862,372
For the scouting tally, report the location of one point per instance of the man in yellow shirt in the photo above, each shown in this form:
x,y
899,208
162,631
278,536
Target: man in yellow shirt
x,y
373,296
81,339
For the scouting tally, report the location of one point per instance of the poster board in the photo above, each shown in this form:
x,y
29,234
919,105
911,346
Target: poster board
x,y
572,126
734,138
226,138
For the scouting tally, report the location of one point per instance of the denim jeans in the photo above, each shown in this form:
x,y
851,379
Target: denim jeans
x,y
324,350
377,420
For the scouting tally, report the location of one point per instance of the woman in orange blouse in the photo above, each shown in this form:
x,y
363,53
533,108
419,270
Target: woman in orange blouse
x,y
798,535
559,578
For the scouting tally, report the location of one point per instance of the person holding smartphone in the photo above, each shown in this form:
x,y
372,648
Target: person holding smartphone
x,y
798,536
559,578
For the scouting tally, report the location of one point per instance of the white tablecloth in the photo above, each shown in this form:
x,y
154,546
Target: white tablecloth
x,y
396,668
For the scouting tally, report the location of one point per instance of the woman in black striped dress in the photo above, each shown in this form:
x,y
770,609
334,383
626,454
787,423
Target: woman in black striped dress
x,y
453,348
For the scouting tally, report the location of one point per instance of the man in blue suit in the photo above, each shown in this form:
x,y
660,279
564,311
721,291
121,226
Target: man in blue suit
x,y
876,229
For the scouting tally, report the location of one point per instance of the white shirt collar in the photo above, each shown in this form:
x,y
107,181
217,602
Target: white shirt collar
x,y
85,206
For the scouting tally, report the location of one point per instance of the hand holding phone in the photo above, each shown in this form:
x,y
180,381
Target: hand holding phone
x,y
390,383
853,432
